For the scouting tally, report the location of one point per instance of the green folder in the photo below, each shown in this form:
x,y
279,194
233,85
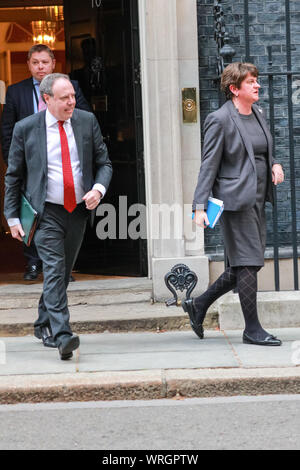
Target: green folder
x,y
28,219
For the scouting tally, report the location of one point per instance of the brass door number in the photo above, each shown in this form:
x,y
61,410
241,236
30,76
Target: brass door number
x,y
189,105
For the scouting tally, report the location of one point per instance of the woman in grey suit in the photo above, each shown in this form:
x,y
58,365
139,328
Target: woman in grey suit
x,y
238,168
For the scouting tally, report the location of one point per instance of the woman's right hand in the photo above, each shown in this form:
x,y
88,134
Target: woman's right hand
x,y
201,219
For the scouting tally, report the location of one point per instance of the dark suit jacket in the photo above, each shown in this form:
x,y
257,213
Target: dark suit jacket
x,y
19,105
228,167
27,161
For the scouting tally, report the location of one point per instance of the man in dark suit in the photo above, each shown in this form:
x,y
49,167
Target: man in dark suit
x,y
58,158
22,100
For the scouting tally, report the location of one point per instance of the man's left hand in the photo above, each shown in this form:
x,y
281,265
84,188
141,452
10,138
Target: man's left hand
x,y
277,174
92,199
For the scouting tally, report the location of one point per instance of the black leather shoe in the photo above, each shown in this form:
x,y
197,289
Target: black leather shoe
x,y
189,308
45,334
32,272
67,344
65,357
269,340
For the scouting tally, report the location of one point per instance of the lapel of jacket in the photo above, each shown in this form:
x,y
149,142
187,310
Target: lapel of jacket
x,y
238,122
77,129
259,114
76,126
28,96
41,140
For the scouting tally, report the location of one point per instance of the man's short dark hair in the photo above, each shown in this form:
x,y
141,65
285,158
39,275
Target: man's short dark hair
x,y
40,48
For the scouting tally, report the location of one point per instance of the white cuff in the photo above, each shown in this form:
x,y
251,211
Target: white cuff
x,y
100,188
12,222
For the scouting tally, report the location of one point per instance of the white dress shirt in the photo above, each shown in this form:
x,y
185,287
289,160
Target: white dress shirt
x,y
55,186
36,85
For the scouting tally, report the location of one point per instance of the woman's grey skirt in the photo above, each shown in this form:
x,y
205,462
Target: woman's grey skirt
x,y
245,231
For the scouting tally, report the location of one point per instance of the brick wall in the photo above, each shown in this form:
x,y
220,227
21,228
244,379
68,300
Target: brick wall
x,y
267,26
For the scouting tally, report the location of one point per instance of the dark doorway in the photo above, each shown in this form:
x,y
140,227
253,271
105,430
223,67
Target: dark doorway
x,y
102,53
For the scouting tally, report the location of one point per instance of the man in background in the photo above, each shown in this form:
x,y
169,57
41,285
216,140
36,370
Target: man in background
x,y
22,100
65,176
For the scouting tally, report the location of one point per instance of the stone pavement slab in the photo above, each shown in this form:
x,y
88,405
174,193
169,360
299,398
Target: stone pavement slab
x,y
142,365
120,351
146,351
151,351
250,356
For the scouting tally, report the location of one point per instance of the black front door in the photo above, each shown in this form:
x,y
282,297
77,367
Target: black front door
x,y
102,53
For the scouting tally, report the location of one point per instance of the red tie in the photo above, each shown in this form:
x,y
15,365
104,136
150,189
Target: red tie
x,y
69,189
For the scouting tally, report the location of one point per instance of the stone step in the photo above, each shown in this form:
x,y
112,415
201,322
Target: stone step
x,y
276,310
95,306
126,305
131,316
95,292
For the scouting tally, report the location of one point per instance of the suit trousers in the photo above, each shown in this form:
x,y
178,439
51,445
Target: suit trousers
x,y
31,255
58,239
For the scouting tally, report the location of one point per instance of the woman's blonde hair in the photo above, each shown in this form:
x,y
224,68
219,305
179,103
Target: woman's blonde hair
x,y
234,74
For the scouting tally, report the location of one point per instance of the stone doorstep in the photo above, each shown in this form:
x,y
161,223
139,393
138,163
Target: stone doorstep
x,y
77,298
146,385
103,292
276,310
134,283
90,285
168,322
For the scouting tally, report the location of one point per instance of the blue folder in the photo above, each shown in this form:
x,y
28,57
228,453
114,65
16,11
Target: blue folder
x,y
214,211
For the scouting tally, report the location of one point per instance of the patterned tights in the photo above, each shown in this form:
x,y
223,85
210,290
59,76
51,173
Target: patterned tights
x,y
245,279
